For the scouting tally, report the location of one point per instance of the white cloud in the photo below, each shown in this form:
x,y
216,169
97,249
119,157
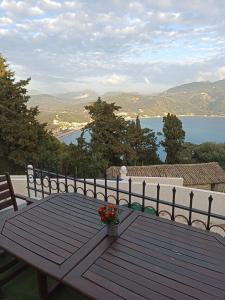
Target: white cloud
x,y
221,73
5,21
136,45
114,79
147,81
50,4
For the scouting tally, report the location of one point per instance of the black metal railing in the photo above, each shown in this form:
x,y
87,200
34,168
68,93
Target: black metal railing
x,y
43,183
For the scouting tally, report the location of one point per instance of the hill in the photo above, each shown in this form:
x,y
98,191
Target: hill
x,y
196,98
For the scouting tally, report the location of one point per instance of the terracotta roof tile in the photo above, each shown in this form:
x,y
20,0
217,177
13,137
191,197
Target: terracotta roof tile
x,y
193,174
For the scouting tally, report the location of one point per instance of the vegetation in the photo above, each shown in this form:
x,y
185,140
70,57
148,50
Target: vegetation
x,y
22,138
174,138
113,140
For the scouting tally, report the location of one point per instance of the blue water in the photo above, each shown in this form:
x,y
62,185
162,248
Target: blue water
x,y
198,130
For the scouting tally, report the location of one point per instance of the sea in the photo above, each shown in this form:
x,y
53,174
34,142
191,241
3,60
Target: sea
x,y
198,129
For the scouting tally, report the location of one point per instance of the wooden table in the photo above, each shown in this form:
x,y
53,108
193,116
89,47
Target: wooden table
x,y
55,234
153,259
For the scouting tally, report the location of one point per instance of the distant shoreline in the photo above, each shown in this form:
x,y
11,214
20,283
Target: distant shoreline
x,y
61,135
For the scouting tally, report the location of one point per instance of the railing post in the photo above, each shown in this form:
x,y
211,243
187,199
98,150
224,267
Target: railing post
x,y
29,172
95,192
66,182
190,208
143,196
209,212
42,185
49,183
106,191
130,195
74,179
57,179
117,190
173,204
85,185
157,199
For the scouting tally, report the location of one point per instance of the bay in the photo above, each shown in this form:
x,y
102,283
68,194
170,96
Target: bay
x,y
198,129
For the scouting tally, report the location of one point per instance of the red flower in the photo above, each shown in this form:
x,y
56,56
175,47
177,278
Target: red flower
x,y
109,214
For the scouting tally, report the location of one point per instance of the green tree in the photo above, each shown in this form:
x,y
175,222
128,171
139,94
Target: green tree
x,y
174,136
142,143
209,152
107,132
22,138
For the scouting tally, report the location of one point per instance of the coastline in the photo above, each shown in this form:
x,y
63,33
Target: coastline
x,y
61,135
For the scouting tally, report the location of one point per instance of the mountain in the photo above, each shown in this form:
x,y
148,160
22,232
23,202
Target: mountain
x,y
79,97
196,98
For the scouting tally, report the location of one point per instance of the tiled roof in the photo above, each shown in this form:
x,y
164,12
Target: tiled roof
x,y
193,174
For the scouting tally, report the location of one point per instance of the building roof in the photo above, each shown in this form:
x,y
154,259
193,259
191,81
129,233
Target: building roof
x,y
193,174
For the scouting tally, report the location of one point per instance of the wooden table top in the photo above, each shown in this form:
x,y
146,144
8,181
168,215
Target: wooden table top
x,y
153,259
55,234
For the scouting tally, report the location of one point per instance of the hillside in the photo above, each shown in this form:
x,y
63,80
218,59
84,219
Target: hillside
x,y
197,98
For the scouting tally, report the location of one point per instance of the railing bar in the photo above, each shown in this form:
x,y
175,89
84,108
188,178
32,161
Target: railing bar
x,y
195,210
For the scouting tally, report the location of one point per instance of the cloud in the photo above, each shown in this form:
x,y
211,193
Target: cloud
x,y
114,79
5,21
50,4
147,81
114,44
16,8
221,73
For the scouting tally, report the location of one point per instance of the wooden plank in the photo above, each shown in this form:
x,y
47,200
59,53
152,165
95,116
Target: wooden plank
x,y
70,216
74,235
76,207
70,222
112,287
75,201
81,229
168,231
93,291
154,289
160,243
68,211
6,203
37,240
184,243
87,199
203,276
198,286
4,187
166,283
3,178
50,232
61,244
186,262
5,195
182,228
33,247
33,259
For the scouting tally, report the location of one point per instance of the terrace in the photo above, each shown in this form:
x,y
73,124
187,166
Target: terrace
x,y
198,212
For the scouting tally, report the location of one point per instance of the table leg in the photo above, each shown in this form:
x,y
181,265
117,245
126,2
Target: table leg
x,y
42,285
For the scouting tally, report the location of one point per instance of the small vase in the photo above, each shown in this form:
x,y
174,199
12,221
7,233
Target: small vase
x,y
112,229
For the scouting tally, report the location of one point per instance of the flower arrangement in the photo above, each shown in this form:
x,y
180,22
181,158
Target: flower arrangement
x,y
109,214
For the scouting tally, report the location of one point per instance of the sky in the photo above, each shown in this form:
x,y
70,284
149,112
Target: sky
x,y
113,45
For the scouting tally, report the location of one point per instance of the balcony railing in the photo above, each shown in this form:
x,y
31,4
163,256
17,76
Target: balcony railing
x,y
43,183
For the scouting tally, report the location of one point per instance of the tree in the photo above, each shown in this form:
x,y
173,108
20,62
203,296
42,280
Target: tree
x,y
174,137
209,152
142,145
107,132
22,138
